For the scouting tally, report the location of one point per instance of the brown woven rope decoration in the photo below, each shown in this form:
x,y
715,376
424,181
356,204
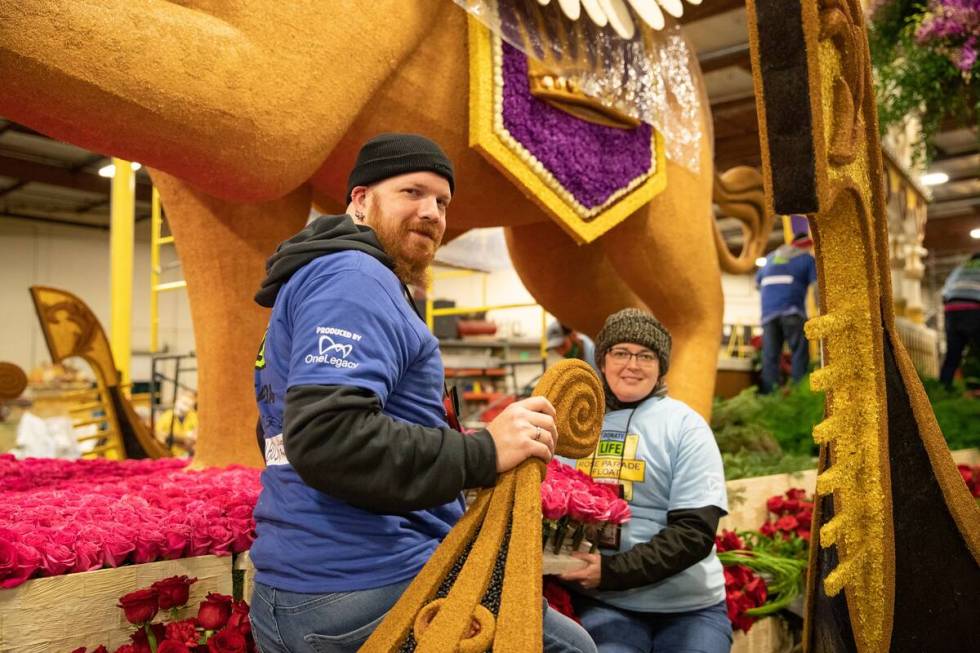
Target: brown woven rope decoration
x,y
12,381
421,622
576,393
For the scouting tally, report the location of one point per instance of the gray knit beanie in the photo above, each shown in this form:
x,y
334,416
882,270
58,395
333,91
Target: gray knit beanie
x,y
636,326
390,155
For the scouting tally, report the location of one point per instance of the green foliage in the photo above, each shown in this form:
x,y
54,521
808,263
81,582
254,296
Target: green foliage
x,y
917,78
958,415
749,464
791,414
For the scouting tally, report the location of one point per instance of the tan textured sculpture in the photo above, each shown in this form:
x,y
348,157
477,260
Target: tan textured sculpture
x,y
248,111
460,601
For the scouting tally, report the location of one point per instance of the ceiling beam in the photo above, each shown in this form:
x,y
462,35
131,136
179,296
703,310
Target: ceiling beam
x,y
32,171
708,9
734,55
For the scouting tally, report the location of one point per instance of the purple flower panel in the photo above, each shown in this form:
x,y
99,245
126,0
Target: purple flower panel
x,y
591,161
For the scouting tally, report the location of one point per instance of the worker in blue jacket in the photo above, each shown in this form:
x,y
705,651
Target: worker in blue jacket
x,y
783,282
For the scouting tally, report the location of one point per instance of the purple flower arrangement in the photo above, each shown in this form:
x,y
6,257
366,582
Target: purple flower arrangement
x,y
952,27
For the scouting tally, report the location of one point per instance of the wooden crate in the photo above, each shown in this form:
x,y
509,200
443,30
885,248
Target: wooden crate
x,y
61,613
769,635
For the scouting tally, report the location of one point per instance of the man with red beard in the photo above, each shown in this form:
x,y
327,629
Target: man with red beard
x,y
363,474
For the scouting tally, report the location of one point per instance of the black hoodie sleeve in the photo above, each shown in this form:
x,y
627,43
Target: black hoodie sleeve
x,y
686,540
339,442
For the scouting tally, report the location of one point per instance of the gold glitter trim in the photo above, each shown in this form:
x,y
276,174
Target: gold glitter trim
x,y
490,138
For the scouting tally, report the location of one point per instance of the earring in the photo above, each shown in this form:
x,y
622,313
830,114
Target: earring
x,y
359,216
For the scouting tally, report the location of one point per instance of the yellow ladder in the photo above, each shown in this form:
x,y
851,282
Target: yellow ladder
x,y
157,240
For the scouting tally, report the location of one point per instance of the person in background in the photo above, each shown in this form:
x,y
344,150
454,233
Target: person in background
x,y
656,585
961,307
783,283
568,343
177,426
364,467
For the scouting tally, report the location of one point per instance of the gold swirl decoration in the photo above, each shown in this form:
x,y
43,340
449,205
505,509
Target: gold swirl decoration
x,y
12,381
482,587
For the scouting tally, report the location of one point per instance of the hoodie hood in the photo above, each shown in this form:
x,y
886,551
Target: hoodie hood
x,y
325,235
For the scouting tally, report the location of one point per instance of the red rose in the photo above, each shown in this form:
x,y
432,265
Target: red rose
x,y
239,618
183,631
170,646
729,541
787,523
775,505
140,606
141,643
126,648
227,640
173,591
214,611
796,494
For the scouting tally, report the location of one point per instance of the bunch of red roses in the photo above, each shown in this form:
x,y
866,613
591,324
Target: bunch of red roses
x,y
794,515
744,589
971,476
573,503
221,624
67,516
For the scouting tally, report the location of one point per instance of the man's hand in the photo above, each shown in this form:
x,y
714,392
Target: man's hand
x,y
587,577
524,429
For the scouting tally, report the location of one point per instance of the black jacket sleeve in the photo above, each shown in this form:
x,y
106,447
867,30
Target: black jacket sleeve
x,y
339,442
686,540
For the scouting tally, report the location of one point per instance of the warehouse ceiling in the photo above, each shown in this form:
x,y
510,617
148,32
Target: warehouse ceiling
x,y
45,180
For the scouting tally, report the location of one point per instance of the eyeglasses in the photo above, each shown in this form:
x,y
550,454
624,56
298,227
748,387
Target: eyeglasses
x,y
622,356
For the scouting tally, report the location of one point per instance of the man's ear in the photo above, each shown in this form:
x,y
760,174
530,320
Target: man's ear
x,y
358,197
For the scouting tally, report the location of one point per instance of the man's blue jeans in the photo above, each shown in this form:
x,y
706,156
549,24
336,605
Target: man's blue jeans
x,y
622,631
788,329
288,622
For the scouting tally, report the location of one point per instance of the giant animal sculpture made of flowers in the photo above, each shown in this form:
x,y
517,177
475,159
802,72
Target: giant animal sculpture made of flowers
x,y
267,112
269,109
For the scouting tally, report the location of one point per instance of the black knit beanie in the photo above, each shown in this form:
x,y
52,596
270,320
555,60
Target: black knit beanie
x,y
636,326
390,155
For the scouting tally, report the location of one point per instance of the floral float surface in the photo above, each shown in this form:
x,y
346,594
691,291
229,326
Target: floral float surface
x,y
221,624
62,516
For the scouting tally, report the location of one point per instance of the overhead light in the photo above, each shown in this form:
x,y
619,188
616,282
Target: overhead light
x,y
975,233
934,178
760,262
110,170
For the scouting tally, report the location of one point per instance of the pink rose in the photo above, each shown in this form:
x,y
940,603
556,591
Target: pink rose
x,y
88,555
177,538
56,559
585,507
554,503
619,512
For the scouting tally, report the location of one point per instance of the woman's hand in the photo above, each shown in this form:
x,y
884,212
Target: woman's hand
x,y
589,576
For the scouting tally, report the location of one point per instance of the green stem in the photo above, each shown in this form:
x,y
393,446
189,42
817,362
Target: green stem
x,y
150,637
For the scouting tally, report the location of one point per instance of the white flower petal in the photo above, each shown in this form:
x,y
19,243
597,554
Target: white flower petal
x,y
693,2
649,12
672,7
543,2
619,17
572,8
595,12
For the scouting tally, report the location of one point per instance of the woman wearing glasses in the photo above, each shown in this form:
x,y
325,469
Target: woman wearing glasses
x,y
656,585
